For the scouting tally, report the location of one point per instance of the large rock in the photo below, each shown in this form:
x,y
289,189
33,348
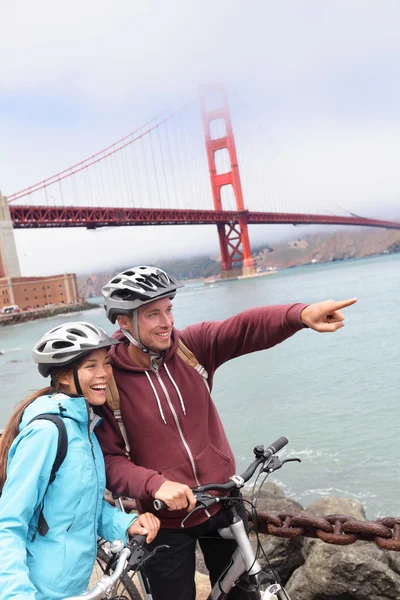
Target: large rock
x,y
335,505
361,571
272,499
357,572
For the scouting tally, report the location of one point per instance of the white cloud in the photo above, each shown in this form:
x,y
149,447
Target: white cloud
x,y
100,50
320,77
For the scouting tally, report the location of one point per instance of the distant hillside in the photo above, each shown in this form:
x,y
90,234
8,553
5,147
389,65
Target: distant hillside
x,y
327,247
318,247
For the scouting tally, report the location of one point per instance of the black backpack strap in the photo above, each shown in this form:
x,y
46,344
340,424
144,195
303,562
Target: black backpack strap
x,y
62,448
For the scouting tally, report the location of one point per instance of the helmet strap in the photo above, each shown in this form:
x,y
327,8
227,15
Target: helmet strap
x,y
76,381
135,340
136,337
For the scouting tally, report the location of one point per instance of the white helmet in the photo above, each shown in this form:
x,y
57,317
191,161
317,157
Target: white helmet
x,y
137,286
65,343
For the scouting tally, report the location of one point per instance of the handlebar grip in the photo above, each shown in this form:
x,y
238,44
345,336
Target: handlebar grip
x,y
159,504
277,445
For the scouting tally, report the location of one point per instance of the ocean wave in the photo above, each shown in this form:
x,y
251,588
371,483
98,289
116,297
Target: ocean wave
x,y
8,350
334,491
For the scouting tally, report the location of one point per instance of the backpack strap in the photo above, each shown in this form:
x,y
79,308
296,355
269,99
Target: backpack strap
x,y
189,358
113,398
62,447
113,401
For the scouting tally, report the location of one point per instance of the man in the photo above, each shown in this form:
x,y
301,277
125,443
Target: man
x,y
175,437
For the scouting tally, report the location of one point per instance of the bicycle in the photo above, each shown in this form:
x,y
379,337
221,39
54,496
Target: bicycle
x,y
244,562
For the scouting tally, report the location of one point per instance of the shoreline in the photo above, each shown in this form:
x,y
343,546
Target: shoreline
x,y
44,313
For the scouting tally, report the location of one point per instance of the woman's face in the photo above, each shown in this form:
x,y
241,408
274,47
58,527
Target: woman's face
x,y
94,373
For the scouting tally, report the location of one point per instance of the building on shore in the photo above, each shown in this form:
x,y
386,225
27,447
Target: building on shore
x,y
38,292
28,292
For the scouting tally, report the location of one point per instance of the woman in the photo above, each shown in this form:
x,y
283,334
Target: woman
x,y
55,562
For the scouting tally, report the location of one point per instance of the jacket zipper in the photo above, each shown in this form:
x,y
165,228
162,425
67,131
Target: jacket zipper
x,y
97,475
178,426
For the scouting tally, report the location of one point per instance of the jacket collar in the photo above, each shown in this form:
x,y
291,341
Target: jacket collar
x,y
58,404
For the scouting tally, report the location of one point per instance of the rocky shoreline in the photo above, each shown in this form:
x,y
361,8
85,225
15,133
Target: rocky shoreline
x,y
311,569
44,313
314,570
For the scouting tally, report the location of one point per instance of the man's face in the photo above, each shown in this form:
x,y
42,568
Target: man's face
x,y
155,324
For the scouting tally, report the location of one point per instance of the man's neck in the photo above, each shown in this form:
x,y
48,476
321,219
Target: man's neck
x,y
138,357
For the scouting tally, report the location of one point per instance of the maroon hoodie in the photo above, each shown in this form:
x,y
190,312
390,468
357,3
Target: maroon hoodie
x,y
172,424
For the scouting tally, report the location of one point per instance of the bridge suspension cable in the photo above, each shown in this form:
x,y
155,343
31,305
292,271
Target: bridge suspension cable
x,y
134,136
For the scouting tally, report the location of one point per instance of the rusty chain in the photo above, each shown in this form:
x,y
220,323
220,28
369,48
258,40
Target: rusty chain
x,y
340,530
332,529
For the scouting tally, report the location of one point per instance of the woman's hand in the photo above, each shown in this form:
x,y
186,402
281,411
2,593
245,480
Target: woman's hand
x,y
145,524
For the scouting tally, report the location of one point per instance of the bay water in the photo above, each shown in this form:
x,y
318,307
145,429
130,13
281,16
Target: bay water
x,y
335,396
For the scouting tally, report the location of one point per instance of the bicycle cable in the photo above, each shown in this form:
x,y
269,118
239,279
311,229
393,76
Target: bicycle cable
x,y
260,549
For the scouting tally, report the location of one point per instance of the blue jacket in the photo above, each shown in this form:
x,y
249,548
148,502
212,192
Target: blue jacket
x,y
60,563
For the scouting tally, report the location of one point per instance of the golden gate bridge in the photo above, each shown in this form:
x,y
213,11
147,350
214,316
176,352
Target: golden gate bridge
x,y
157,176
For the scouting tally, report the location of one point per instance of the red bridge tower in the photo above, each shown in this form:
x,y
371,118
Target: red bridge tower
x,y
233,236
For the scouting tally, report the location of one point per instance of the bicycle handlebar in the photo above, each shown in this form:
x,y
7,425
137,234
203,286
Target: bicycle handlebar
x,y
262,457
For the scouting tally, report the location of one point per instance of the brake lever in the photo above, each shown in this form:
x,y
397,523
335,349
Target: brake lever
x,y
201,505
276,463
273,464
142,555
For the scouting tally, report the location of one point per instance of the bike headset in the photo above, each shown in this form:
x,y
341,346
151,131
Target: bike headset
x,y
135,287
66,345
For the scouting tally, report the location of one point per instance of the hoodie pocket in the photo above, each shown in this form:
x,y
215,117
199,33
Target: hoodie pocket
x,y
213,465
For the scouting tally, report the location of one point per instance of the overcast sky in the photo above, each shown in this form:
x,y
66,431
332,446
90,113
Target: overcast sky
x,y
314,88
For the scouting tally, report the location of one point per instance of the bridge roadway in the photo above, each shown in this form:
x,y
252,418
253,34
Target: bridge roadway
x,y
34,217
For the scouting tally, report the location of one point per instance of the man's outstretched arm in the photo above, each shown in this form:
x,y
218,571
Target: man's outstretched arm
x,y
254,329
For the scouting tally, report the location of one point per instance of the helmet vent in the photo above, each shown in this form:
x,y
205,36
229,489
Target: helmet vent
x,y
121,294
89,326
78,333
60,345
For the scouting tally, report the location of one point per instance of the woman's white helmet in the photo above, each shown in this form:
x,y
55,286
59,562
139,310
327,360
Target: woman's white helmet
x,y
66,343
137,286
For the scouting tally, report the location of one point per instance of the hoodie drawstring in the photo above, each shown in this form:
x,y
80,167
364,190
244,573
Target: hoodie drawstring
x,y
177,389
157,397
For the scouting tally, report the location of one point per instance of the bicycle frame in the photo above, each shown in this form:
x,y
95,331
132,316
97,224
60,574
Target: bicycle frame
x,y
243,561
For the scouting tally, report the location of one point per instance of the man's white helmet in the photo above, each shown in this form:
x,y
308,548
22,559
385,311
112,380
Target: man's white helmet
x,y
137,286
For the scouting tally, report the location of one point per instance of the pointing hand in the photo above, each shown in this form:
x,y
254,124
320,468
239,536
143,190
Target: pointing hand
x,y
325,316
